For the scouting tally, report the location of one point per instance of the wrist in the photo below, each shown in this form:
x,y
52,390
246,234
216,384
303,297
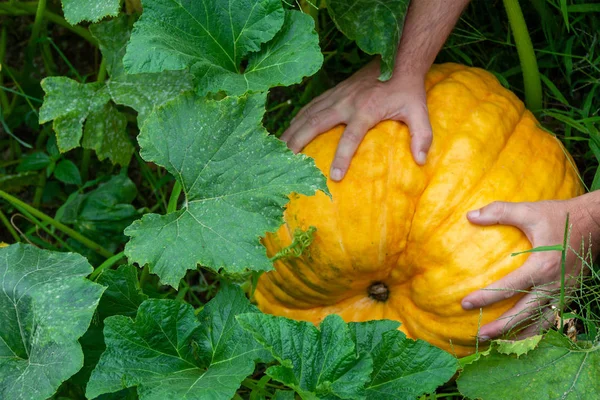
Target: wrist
x,y
405,76
585,219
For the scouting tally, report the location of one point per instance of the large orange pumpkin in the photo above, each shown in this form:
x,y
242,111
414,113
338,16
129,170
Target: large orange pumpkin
x,y
394,241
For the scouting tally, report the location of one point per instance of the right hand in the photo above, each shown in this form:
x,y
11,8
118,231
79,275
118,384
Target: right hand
x,y
360,102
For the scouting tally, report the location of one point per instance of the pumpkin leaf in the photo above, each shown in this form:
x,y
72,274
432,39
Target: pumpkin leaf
x,y
122,296
376,26
402,368
142,92
213,39
46,304
317,363
102,213
555,369
517,347
76,11
191,358
68,103
235,177
292,54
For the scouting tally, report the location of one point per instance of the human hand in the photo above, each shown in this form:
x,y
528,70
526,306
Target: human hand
x,y
540,276
360,102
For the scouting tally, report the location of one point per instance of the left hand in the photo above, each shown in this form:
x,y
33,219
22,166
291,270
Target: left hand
x,y
540,276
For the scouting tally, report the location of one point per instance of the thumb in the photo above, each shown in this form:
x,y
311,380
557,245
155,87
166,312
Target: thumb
x,y
519,215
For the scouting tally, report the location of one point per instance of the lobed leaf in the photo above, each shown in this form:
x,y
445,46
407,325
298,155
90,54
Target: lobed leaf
x,y
76,11
46,304
69,103
102,213
144,91
122,296
168,353
318,364
292,54
235,178
402,368
555,369
214,37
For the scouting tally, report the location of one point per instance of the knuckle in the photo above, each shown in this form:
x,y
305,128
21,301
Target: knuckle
x,y
294,144
352,137
548,268
497,210
313,120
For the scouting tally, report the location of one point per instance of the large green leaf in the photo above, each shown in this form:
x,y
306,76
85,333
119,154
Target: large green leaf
x,y
213,37
402,368
236,179
293,53
69,103
142,92
46,304
376,26
170,354
104,212
122,296
317,363
89,10
556,369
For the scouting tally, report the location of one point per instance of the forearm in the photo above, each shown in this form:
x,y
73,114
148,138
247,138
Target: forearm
x,y
428,24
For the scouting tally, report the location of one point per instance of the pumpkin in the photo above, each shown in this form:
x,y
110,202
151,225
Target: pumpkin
x,y
393,241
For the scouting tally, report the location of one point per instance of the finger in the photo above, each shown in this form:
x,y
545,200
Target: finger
x,y
519,215
351,138
538,324
531,273
300,120
527,307
323,96
315,125
419,127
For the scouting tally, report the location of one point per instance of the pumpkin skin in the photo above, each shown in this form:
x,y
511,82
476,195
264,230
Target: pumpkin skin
x,y
391,221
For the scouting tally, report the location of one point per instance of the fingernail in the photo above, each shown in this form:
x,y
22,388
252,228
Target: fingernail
x,y
467,305
473,214
336,174
421,158
484,338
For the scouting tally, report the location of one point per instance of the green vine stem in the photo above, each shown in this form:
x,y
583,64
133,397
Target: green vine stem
x,y
563,262
84,168
39,189
109,263
30,8
531,74
63,228
9,227
37,23
4,102
175,193
43,226
102,71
